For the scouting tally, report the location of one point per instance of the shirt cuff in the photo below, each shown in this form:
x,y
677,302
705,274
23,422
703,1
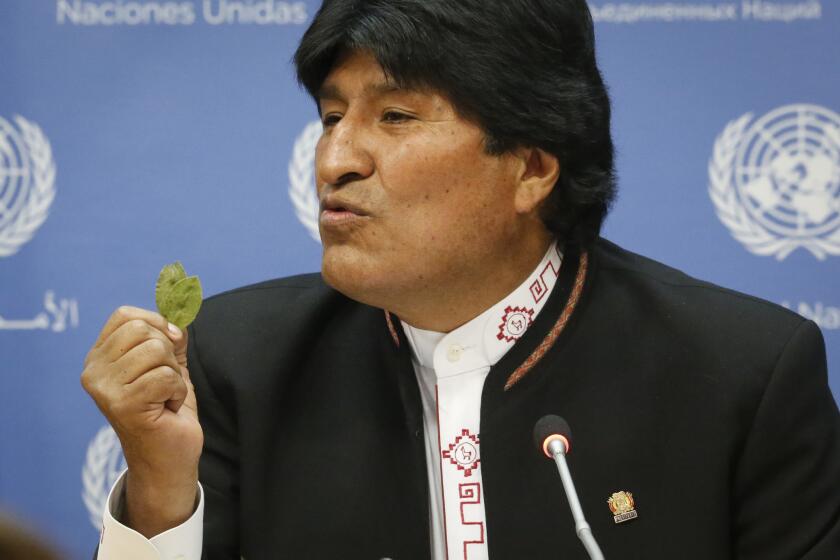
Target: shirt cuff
x,y
119,542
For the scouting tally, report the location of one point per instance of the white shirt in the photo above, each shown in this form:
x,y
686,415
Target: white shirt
x,y
451,369
118,542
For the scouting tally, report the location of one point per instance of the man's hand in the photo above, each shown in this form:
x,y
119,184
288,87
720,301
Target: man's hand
x,y
137,374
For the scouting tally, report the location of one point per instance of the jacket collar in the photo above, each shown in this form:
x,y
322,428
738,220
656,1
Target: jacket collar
x,y
482,341
541,335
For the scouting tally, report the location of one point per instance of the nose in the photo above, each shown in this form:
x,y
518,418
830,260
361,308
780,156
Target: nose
x,y
342,156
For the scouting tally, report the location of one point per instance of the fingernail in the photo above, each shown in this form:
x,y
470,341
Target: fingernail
x,y
174,330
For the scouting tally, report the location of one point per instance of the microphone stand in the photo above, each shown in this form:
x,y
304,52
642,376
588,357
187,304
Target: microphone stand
x,y
584,532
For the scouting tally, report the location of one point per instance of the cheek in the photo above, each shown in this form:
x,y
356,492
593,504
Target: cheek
x,y
447,217
442,194
439,174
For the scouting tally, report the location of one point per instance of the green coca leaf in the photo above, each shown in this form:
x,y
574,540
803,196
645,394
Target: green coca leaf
x,y
182,302
178,297
168,277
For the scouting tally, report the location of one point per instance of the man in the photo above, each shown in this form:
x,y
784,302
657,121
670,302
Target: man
x,y
385,409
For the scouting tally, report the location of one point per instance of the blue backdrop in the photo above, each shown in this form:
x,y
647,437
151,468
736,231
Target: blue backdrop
x,y
135,133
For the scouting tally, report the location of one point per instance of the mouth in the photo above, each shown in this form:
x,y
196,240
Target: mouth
x,y
337,213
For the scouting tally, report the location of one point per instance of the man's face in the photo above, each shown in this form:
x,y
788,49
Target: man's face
x,y
411,203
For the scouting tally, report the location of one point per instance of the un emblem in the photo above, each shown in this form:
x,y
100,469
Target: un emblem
x,y
302,191
775,183
103,464
27,182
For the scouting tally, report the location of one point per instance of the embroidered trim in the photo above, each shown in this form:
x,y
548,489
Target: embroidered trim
x,y
392,330
515,322
558,327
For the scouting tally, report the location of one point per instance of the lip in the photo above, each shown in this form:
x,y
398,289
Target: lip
x,y
336,212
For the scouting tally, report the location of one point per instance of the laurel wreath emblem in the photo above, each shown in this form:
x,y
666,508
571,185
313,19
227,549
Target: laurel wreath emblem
x,y
302,179
103,464
732,213
35,210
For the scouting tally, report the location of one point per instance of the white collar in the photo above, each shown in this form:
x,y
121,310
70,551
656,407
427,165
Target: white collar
x,y
482,341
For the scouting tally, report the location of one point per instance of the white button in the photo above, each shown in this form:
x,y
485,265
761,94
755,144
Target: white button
x,y
454,352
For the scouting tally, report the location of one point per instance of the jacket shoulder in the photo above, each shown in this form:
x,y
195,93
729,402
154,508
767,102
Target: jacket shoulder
x,y
267,320
289,285
262,300
709,330
686,292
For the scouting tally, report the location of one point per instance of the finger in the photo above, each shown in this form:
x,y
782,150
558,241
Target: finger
x,y
129,335
127,313
162,385
181,345
190,400
143,358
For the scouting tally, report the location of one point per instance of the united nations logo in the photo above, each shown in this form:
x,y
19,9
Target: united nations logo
x,y
27,182
302,190
103,464
775,183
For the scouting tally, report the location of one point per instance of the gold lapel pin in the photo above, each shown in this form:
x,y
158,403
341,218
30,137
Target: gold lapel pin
x,y
622,506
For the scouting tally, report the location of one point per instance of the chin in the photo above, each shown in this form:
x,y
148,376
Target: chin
x,y
356,278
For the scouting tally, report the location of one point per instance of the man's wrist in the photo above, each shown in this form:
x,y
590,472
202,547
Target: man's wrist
x,y
153,506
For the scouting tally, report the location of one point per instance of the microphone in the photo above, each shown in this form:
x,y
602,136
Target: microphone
x,y
553,437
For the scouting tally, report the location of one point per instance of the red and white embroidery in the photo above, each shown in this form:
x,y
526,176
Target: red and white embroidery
x,y
540,286
515,322
456,382
463,452
470,495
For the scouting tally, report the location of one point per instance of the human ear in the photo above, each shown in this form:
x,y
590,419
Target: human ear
x,y
539,173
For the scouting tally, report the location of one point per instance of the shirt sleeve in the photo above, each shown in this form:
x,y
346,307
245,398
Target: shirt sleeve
x,y
119,542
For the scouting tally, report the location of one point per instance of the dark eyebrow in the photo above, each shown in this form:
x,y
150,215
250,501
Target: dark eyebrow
x,y
333,93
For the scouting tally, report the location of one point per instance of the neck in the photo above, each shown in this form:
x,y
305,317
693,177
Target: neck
x,y
472,290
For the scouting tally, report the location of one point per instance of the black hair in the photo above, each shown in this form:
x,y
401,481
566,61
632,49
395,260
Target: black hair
x,y
523,70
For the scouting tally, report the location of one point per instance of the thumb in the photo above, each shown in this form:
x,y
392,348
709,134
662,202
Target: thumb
x,y
180,339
